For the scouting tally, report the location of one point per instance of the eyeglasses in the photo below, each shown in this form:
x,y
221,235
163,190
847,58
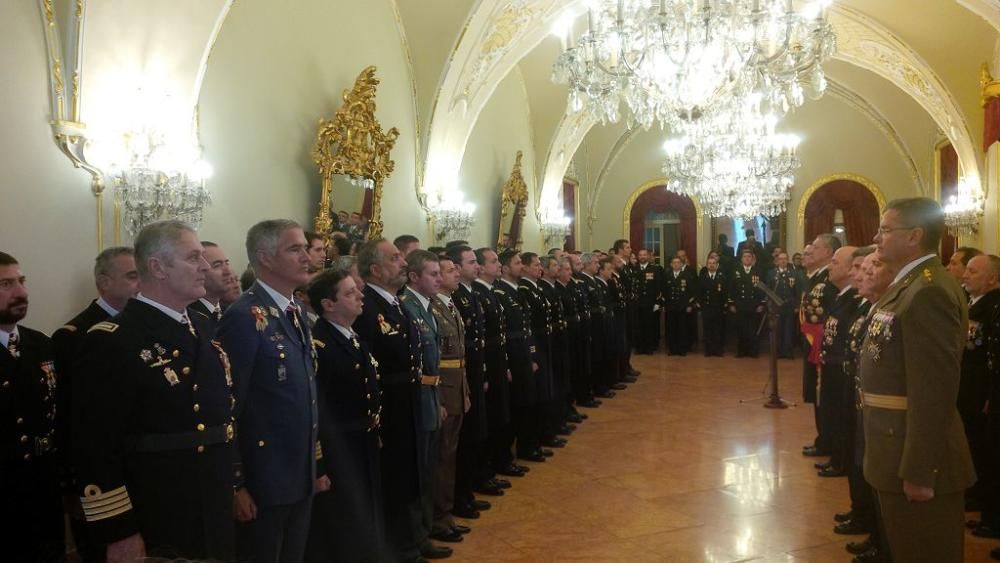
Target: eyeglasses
x,y
884,230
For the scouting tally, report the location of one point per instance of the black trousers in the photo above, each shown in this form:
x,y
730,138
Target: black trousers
x,y
863,508
278,534
748,344
692,327
829,410
648,333
787,335
714,329
499,447
991,476
470,469
678,337
526,428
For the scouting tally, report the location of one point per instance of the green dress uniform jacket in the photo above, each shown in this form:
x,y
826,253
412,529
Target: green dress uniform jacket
x,y
910,364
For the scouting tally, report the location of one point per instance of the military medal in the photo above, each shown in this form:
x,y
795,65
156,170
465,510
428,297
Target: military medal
x,y
224,358
146,356
282,373
50,374
273,311
260,317
171,376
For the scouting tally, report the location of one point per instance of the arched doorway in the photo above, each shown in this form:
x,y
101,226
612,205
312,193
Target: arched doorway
x,y
662,222
848,206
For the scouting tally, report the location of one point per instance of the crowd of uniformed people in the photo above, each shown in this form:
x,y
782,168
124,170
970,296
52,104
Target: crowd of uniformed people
x,y
358,402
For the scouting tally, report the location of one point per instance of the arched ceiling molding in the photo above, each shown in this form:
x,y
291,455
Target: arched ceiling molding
x,y
989,10
865,43
498,35
418,165
862,42
199,78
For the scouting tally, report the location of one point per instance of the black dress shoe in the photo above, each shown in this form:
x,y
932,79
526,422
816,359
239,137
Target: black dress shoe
x,y
850,528
590,404
832,472
480,505
814,452
448,536
821,465
843,516
995,554
502,483
635,372
986,531
465,512
973,524
545,453
565,430
523,468
619,387
605,394
871,556
533,456
490,489
461,529
575,418
554,443
435,552
511,471
859,547
629,379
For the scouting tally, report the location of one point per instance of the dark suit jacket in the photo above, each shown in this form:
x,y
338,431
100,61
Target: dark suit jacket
x,y
495,355
649,286
470,307
786,286
713,293
276,409
913,349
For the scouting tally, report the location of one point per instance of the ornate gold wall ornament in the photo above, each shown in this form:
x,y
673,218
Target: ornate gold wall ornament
x,y
354,144
990,87
513,204
868,184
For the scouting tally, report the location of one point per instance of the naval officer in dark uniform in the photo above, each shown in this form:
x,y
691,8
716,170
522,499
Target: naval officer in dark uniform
x,y
274,373
30,467
713,293
153,415
117,281
347,521
219,281
649,287
746,301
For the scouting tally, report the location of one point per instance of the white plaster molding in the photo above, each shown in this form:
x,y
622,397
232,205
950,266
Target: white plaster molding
x,y
989,10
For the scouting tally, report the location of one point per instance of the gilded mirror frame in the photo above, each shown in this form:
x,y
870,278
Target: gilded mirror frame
x,y
513,208
354,144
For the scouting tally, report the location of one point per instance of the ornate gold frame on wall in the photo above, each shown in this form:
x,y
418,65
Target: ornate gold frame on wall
x,y
354,144
513,205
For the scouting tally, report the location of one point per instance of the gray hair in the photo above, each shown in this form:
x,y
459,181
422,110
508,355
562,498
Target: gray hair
x,y
102,264
547,261
344,263
588,257
157,240
368,256
263,237
831,241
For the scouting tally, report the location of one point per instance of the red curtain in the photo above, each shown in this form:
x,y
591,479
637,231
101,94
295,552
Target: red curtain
x,y
659,199
859,206
949,188
991,129
569,209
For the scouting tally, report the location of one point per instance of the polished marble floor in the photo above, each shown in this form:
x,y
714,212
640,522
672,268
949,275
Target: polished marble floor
x,y
676,468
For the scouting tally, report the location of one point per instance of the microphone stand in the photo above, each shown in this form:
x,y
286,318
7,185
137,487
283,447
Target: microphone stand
x,y
774,303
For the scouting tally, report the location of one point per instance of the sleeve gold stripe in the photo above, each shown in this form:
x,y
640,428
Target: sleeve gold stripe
x,y
98,504
108,508
105,515
319,451
93,496
104,326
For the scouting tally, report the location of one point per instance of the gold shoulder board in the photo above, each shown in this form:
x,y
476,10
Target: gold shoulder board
x,y
106,326
319,343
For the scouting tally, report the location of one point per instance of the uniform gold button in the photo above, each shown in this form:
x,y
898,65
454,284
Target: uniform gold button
x,y
27,457
368,396
177,353
194,387
186,370
281,355
201,449
357,366
196,407
20,420
201,427
260,444
6,384
24,439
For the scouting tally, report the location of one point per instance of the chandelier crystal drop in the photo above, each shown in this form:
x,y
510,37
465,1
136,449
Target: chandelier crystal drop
x,y
663,61
964,210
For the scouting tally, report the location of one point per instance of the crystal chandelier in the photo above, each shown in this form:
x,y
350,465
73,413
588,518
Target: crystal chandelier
x,y
155,179
452,216
555,229
964,210
670,60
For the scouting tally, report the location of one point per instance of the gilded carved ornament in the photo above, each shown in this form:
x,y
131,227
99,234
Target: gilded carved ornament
x,y
513,203
354,144
990,86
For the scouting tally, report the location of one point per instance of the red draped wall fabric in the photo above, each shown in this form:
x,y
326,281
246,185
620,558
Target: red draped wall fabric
x,y
859,206
659,199
949,187
569,208
991,129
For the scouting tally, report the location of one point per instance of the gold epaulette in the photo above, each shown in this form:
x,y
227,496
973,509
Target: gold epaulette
x,y
319,451
106,326
319,343
500,291
99,505
70,328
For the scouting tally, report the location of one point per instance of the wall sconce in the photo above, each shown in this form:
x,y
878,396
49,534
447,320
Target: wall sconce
x,y
964,210
555,230
452,217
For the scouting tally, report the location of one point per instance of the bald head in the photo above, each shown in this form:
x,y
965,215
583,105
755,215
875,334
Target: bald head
x,y
982,274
